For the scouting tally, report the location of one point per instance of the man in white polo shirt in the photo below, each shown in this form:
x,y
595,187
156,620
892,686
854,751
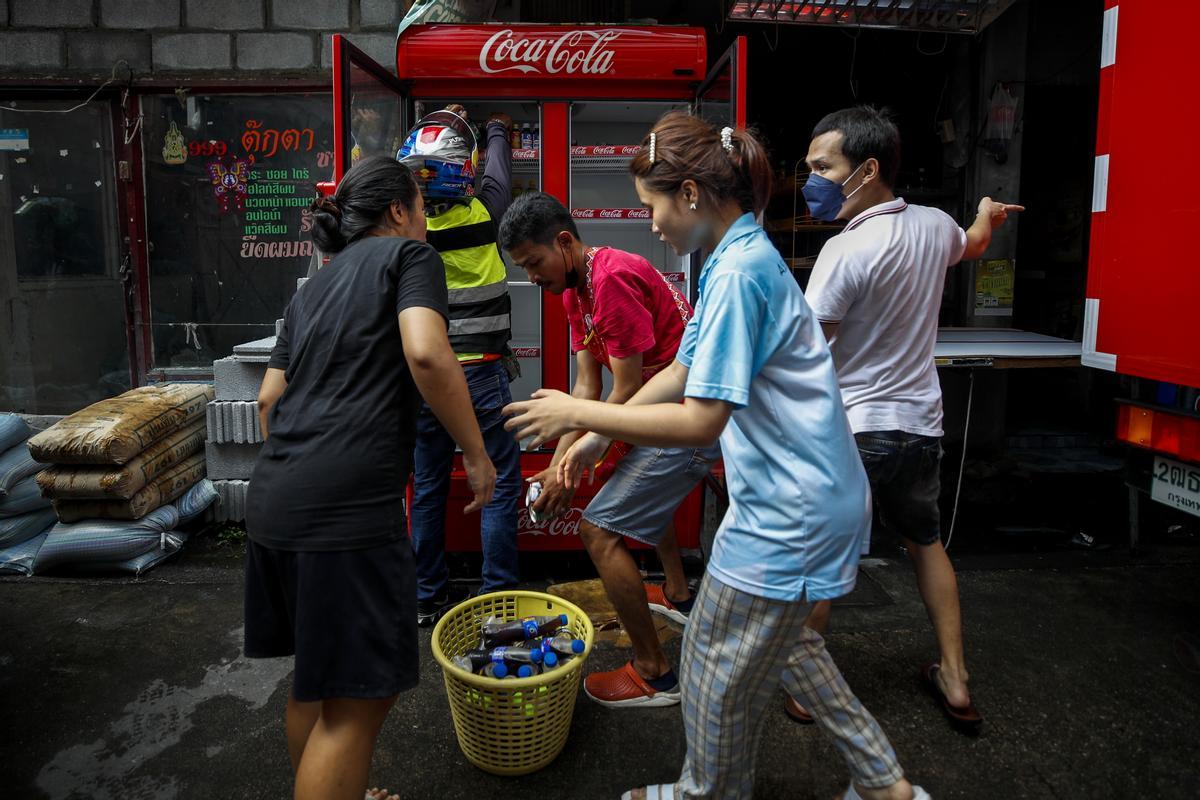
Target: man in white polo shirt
x,y
876,288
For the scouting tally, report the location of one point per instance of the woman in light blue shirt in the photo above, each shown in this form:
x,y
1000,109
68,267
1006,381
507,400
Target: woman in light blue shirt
x,y
754,371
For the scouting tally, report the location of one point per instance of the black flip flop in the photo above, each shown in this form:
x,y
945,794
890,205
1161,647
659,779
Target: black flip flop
x,y
968,717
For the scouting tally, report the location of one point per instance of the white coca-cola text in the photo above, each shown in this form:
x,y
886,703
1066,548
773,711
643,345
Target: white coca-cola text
x,y
566,525
585,52
611,213
604,150
583,213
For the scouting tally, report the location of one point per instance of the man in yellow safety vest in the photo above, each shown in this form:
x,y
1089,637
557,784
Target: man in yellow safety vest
x,y
462,220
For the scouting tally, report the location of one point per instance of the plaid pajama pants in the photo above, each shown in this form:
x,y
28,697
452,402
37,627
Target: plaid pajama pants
x,y
737,648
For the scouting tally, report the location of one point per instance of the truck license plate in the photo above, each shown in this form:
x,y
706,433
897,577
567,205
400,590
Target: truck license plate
x,y
1176,484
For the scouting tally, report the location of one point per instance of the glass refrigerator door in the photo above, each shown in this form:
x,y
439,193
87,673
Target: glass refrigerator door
x,y
605,136
370,108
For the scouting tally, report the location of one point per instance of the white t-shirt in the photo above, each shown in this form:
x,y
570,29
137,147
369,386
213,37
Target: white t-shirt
x,y
881,281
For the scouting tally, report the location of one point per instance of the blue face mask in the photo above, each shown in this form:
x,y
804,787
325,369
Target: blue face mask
x,y
824,197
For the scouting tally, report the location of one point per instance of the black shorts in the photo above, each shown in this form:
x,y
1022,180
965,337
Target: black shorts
x,y
906,479
348,616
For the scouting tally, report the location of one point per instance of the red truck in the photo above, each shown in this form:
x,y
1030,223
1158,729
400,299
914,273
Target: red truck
x,y
1143,286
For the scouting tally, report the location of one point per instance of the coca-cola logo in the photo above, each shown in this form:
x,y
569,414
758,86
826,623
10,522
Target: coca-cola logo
x,y
638,213
525,154
604,150
527,352
583,213
611,213
565,525
674,276
578,151
630,149
585,52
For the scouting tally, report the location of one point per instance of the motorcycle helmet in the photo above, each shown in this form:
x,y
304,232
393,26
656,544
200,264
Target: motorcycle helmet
x,y
442,153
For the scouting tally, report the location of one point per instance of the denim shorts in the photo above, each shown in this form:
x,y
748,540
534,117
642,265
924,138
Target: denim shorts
x,y
905,474
649,483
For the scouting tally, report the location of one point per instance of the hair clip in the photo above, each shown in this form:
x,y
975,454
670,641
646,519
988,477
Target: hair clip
x,y
653,135
727,139
328,205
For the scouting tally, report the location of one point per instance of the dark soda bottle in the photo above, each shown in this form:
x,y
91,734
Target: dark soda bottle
x,y
475,660
496,632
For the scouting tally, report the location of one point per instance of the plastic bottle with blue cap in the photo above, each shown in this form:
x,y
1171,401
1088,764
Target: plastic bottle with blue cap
x,y
496,632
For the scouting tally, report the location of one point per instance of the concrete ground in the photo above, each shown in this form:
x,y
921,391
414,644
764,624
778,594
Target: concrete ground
x,y
1085,665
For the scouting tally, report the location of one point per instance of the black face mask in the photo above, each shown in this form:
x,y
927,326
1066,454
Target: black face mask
x,y
570,276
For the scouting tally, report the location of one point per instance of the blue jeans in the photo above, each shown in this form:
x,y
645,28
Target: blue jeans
x,y
488,384
905,474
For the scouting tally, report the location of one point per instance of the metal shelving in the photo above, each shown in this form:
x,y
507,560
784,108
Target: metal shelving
x,y
941,16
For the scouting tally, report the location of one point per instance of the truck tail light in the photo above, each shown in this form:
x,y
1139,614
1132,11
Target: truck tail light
x,y
1161,431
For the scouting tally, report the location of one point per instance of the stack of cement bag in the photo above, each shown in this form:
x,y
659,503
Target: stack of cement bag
x,y
24,513
124,457
116,470
102,545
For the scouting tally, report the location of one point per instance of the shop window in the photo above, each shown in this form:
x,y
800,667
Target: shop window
x,y
62,303
229,178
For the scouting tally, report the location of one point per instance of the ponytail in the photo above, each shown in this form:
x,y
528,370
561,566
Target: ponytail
x,y
363,197
749,158
687,147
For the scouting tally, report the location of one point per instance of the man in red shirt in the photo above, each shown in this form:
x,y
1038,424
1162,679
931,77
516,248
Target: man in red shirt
x,y
625,316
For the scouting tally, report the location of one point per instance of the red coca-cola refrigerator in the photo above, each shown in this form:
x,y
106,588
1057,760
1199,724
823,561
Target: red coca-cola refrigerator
x,y
581,98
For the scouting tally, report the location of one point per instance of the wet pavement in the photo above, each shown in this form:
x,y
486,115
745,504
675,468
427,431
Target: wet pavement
x,y
1086,666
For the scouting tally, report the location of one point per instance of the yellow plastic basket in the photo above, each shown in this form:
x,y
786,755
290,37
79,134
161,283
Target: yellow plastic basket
x,y
517,725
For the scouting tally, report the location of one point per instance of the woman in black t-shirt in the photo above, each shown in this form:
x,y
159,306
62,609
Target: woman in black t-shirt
x,y
329,567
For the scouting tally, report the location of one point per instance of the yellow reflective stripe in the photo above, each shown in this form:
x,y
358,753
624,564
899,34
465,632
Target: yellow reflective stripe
x,y
474,266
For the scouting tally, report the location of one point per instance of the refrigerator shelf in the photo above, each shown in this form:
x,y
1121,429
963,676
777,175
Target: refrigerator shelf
x,y
589,159
640,215
609,159
526,160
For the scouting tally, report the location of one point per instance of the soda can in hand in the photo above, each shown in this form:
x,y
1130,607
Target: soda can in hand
x,y
531,496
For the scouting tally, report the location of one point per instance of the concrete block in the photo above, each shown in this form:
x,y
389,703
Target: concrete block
x,y
231,500
192,51
31,50
230,461
46,14
100,51
379,46
226,15
238,380
139,14
381,13
258,350
322,15
233,422
275,50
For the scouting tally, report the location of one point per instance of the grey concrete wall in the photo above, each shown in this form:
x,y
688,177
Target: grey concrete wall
x,y
74,39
